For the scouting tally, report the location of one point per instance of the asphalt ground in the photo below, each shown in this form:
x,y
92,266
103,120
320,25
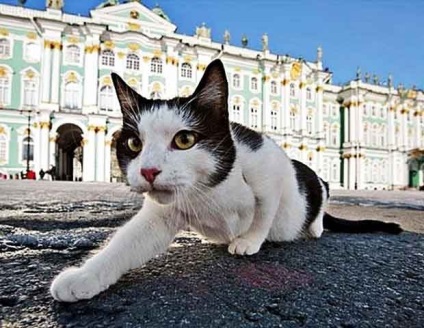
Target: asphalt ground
x,y
339,280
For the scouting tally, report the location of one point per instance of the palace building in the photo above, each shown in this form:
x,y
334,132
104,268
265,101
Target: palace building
x,y
58,105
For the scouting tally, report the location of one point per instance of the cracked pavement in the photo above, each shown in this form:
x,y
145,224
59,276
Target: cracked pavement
x,y
340,280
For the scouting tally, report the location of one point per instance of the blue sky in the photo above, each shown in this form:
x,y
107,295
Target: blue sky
x,y
379,36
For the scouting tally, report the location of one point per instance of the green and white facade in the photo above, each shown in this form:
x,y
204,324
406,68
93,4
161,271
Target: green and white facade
x,y
55,79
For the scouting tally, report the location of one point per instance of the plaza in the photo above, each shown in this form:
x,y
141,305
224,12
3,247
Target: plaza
x,y
59,109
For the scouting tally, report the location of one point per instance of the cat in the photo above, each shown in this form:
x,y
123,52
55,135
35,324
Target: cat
x,y
199,171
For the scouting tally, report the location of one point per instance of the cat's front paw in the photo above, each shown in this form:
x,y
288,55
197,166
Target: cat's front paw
x,y
75,284
244,246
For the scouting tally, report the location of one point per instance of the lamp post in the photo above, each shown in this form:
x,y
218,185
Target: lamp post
x,y
28,144
357,155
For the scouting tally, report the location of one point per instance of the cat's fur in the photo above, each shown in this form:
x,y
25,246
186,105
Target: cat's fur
x,y
234,186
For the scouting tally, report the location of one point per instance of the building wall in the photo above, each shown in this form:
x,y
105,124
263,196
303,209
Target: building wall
x,y
355,136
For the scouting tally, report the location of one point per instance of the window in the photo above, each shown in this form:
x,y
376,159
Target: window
x,y
293,120
254,84
236,81
373,111
106,98
72,95
274,120
364,110
4,48
274,89
30,94
383,172
3,148
4,90
325,170
186,71
366,134
108,58
374,135
382,112
326,133
73,54
254,117
334,171
324,110
133,62
366,171
236,113
334,110
308,94
156,65
292,90
334,135
383,136
27,149
32,52
309,124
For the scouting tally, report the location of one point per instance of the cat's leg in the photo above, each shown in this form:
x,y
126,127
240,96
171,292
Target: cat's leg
x,y
317,226
147,234
265,210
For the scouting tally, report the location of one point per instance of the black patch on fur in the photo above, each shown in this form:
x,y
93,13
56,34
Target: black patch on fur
x,y
339,225
310,187
246,136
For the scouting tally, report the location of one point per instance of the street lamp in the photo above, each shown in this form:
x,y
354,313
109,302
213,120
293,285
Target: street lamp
x,y
357,155
29,112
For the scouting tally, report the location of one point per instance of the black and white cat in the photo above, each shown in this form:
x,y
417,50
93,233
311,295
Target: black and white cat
x,y
198,170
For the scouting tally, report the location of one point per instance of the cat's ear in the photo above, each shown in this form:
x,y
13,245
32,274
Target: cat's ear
x,y
128,98
212,91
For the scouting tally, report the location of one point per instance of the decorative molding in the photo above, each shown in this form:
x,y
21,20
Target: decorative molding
x,y
172,60
4,31
319,88
201,67
301,85
320,148
121,54
133,46
285,82
295,70
108,143
109,44
146,59
303,147
134,26
3,130
107,81
286,145
44,125
157,53
3,72
84,142
266,78
31,35
73,39
52,139
71,77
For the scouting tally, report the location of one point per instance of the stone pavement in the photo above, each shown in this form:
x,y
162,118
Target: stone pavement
x,y
340,280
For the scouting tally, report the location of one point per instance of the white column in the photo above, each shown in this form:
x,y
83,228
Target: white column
x,y
44,142
107,163
46,72
352,172
88,69
346,124
100,154
345,173
352,123
37,147
417,130
285,101
52,149
171,71
89,144
303,111
266,106
320,119
391,127
145,68
55,86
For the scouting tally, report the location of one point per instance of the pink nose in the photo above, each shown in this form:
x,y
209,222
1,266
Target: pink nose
x,y
150,174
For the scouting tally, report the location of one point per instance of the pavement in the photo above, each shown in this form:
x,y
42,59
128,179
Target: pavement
x,y
339,280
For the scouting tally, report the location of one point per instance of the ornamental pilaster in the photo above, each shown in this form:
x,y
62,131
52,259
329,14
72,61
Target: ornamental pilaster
x,y
285,100
100,153
107,162
89,154
56,50
46,72
171,71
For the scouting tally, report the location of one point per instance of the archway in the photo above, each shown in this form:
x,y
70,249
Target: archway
x,y
69,154
115,171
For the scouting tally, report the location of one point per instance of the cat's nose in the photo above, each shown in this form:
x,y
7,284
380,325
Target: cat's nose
x,y
150,174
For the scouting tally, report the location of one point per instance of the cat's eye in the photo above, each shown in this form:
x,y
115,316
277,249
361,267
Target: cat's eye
x,y
184,140
134,144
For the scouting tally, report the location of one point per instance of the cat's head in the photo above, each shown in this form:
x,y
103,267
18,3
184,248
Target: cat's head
x,y
169,147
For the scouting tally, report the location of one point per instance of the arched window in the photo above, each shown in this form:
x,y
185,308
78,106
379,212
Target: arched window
x,y
72,95
383,136
324,110
4,90
108,58
106,98
236,81
73,54
4,48
32,52
4,149
374,135
364,110
186,71
27,149
274,89
292,90
133,62
30,93
156,65
326,133
254,84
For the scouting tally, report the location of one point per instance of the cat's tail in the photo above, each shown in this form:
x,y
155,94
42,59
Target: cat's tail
x,y
340,225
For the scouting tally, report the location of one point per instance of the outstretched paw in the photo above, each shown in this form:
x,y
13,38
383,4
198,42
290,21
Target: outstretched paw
x,y
244,246
75,284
